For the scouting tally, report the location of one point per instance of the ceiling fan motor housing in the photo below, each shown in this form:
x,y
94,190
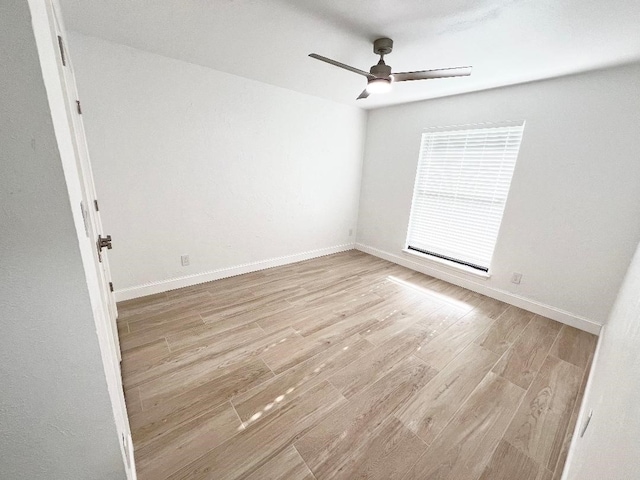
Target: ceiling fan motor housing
x,y
380,70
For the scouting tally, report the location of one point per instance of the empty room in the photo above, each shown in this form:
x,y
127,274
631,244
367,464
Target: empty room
x,y
320,240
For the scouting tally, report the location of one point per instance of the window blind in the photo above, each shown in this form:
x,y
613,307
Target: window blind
x,y
461,188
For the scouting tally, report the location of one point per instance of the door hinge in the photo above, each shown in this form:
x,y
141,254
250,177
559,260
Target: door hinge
x,y
586,424
95,204
84,219
61,46
79,107
125,446
111,286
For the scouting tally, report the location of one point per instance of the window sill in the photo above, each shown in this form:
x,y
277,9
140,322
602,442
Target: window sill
x,y
446,263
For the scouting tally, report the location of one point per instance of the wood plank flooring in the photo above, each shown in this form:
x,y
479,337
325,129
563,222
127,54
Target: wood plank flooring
x,y
344,367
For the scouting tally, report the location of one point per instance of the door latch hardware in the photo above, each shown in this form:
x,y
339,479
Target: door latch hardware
x,y
103,242
61,47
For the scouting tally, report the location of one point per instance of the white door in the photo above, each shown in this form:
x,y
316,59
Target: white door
x,y
91,205
105,311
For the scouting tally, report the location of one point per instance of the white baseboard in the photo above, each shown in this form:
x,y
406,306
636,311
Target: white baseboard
x,y
188,280
534,306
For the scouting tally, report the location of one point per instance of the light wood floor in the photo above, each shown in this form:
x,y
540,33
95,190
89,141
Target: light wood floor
x,y
347,367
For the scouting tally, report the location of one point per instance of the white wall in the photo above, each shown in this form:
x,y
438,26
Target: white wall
x,y
56,419
189,160
572,219
610,448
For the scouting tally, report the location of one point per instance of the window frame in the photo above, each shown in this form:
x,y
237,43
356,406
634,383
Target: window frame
x,y
444,260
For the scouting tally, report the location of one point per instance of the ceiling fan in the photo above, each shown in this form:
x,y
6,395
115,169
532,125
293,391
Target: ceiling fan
x,y
380,78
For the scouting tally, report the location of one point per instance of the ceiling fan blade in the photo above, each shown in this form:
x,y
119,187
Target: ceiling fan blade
x,y
429,74
364,94
341,65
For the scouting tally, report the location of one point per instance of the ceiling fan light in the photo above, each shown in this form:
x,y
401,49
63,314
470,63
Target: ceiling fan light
x,y
379,85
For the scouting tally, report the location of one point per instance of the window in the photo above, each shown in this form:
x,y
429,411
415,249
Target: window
x,y
461,189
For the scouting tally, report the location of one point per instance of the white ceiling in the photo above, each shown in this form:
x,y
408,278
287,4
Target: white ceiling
x,y
506,41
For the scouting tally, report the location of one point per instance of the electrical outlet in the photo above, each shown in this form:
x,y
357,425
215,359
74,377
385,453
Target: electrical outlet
x,y
184,259
516,278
